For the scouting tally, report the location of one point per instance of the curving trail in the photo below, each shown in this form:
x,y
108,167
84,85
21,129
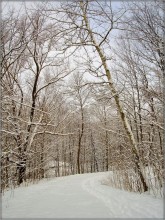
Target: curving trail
x,y
78,196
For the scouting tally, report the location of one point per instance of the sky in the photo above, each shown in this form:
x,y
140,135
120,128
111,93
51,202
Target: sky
x,y
19,5
7,5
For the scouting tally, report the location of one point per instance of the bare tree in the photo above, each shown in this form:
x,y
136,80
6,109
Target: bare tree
x,y
82,15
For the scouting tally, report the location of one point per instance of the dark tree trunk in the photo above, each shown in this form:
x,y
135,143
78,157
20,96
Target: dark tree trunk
x,y
21,170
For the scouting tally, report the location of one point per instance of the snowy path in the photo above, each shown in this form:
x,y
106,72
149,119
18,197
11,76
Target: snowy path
x,y
76,196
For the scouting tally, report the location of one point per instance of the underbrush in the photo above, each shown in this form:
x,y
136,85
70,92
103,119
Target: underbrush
x,y
129,180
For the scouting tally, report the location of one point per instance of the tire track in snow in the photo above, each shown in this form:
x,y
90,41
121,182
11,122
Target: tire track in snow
x,y
117,200
89,186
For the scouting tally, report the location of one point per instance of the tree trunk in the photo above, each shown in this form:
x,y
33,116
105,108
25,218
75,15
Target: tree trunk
x,y
80,139
21,170
115,94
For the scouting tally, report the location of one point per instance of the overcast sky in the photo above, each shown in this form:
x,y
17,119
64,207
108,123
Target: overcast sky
x,y
18,5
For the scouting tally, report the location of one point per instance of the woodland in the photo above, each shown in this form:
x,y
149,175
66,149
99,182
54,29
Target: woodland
x,y
82,92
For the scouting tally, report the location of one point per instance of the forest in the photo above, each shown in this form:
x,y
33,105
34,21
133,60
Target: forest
x,y
82,92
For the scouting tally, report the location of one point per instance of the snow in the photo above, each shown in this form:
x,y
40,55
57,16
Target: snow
x,y
78,196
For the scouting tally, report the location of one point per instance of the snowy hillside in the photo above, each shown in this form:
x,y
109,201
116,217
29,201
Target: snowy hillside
x,y
76,196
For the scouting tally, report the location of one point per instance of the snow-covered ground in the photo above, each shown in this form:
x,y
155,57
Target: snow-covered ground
x,y
78,196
